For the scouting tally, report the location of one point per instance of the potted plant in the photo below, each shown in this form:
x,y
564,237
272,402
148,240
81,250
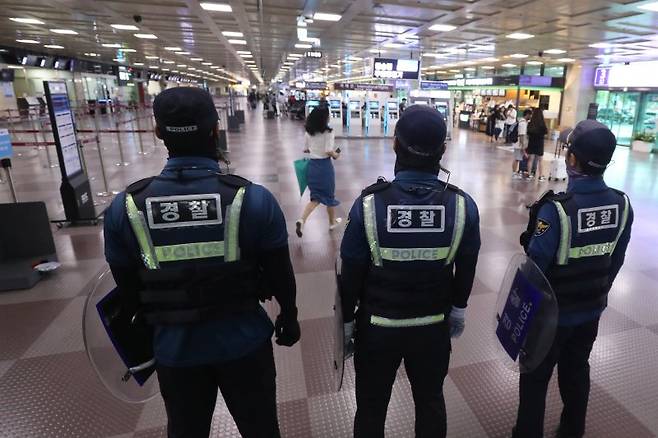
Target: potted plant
x,y
644,142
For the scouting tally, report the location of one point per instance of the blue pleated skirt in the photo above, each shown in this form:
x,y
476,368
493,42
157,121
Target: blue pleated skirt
x,y
322,182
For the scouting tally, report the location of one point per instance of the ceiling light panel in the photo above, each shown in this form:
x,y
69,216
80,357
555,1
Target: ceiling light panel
x,y
442,27
216,7
519,36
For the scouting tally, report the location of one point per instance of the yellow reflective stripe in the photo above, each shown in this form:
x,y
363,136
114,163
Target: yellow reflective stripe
x,y
458,231
138,224
189,251
233,228
565,235
370,222
409,322
414,254
597,249
624,220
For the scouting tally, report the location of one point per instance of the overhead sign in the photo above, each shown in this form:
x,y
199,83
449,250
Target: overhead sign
x,y
6,150
313,54
64,129
535,81
634,74
433,85
315,85
391,68
477,82
364,87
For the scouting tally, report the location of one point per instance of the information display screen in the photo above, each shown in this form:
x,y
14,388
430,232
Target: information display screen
x,y
64,129
335,104
391,68
313,103
393,106
373,105
355,105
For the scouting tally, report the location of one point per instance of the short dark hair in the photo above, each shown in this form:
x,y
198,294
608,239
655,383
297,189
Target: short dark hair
x,y
318,121
527,112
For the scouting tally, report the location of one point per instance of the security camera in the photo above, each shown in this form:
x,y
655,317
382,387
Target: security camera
x,y
137,18
540,53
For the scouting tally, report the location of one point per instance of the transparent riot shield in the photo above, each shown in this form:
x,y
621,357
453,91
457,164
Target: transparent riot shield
x,y
526,315
341,353
118,346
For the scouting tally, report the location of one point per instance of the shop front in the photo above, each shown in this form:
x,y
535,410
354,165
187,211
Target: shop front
x,y
627,99
479,95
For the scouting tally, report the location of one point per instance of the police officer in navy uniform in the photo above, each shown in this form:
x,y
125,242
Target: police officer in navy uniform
x,y
196,247
408,261
578,239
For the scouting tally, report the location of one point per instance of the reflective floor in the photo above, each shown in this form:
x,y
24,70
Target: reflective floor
x,y
47,388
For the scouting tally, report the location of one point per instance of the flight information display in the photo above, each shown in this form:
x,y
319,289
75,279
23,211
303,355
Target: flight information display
x,y
391,68
64,129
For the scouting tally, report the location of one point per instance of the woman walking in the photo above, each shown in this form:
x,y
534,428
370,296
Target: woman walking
x,y
491,123
320,174
536,131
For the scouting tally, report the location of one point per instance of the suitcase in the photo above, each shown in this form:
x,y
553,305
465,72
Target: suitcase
x,y
558,170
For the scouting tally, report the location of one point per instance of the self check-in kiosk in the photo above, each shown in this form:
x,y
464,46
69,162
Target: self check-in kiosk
x,y
336,113
393,109
310,106
437,95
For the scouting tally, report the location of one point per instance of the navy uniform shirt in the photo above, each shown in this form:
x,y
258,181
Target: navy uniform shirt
x,y
543,246
262,228
355,249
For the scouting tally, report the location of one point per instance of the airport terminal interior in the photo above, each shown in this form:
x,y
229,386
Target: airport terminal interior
x,y
78,81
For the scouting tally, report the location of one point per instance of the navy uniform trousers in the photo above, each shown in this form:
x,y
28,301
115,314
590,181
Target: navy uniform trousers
x,y
570,352
379,352
248,386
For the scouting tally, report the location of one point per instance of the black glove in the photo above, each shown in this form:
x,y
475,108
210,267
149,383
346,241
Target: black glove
x,y
286,329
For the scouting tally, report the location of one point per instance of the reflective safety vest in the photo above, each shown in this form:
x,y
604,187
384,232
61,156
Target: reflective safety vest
x,y
413,245
189,244
590,228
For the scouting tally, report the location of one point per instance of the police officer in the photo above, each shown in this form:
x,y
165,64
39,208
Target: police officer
x,y
408,261
196,246
578,239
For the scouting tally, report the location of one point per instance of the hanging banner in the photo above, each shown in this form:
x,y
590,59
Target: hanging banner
x,y
364,87
391,68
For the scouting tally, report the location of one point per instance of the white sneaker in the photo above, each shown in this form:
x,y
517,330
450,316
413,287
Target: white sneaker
x,y
299,228
516,176
542,178
337,223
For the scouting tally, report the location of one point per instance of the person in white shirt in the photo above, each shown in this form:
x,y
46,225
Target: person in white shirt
x,y
510,121
320,175
521,145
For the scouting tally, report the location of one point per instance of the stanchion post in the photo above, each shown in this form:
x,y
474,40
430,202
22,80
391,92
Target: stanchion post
x,y
122,161
139,136
6,164
101,162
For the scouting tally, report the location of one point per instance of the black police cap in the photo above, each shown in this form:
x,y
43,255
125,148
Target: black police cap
x,y
421,130
184,114
592,143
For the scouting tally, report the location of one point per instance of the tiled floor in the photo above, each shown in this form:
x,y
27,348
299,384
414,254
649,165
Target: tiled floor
x,y
47,388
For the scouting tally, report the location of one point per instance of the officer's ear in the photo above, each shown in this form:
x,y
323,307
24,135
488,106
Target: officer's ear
x,y
572,161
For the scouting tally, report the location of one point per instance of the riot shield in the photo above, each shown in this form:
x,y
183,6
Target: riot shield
x,y
119,347
526,315
341,354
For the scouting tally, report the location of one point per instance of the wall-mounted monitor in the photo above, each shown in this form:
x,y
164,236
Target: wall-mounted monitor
x,y
373,105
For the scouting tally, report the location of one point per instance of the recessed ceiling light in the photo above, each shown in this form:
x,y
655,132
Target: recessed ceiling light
x,y
196,59
288,63
519,36
138,63
125,26
487,67
393,45
53,46
355,58
181,65
322,16
64,31
566,60
128,50
246,55
555,51
206,63
145,36
229,33
442,27
601,45
653,7
154,67
534,63
182,53
152,57
216,7
519,55
509,65
470,69
454,71
191,68
15,67
240,52
173,49
303,46
238,42
118,60
28,41
92,54
26,20
112,45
